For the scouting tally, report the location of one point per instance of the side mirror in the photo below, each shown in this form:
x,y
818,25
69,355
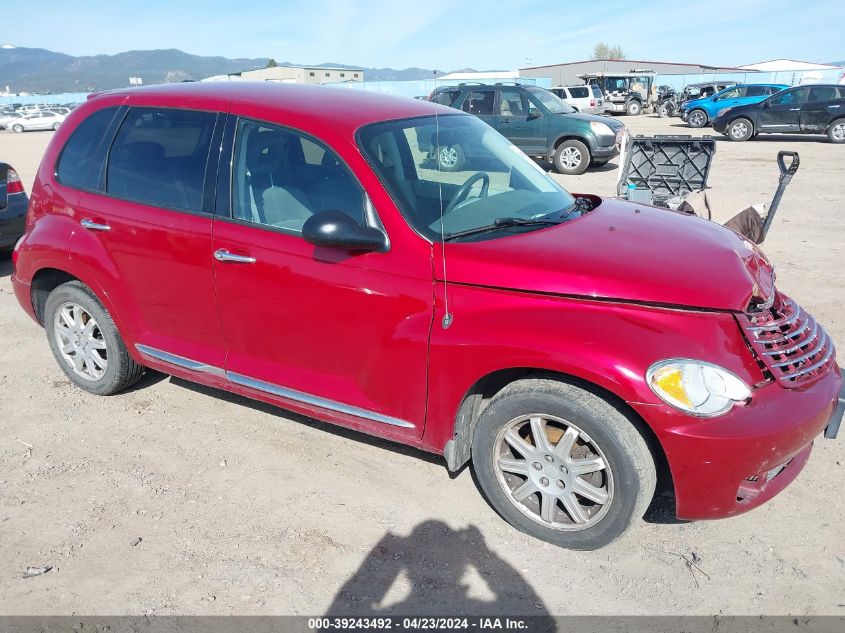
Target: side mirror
x,y
534,113
335,229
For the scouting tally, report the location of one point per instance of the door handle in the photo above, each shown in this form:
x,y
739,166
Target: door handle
x,y
222,255
94,226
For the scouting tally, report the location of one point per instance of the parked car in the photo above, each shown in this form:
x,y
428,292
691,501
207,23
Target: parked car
x,y
699,112
37,121
587,99
809,109
533,119
624,93
13,206
576,344
7,118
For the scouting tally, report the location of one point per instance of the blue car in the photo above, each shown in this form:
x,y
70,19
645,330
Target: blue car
x,y
699,112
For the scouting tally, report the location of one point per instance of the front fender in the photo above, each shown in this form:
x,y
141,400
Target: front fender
x,y
607,344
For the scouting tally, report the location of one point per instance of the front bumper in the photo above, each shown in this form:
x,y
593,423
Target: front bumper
x,y
728,465
720,124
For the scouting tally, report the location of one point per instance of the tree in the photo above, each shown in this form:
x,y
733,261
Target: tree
x,y
271,63
603,51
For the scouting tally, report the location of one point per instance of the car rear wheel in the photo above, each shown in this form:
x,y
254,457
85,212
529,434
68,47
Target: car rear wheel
x,y
740,129
86,343
572,157
697,118
634,108
17,127
836,131
562,464
451,158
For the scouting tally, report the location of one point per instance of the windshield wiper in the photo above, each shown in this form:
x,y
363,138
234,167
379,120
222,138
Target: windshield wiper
x,y
499,223
580,204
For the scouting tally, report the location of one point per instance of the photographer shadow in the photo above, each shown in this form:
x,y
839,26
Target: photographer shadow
x,y
430,573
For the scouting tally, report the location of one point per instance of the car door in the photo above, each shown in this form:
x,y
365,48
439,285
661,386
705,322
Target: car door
x,y
149,221
515,120
315,326
822,106
781,113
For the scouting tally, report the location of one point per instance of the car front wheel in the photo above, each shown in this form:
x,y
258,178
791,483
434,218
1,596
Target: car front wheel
x,y
572,157
562,464
740,130
86,343
634,108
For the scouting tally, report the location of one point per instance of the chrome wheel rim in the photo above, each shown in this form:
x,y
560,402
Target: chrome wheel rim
x,y
80,341
634,108
553,472
570,157
838,131
448,156
696,119
739,129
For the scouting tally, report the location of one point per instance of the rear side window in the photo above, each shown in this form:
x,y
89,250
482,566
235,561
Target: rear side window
x,y
479,103
822,93
80,163
579,92
756,91
596,91
159,157
446,97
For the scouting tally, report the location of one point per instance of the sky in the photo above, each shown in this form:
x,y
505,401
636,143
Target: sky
x,y
444,34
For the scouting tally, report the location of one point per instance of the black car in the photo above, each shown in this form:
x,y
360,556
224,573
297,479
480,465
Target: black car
x,y
13,205
811,109
535,120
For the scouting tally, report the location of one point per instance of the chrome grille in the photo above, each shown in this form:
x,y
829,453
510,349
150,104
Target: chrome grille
x,y
789,342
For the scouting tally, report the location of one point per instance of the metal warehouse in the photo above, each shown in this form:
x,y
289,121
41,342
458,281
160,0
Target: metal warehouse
x,y
568,73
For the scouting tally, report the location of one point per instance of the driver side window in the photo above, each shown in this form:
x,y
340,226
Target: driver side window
x,y
790,97
281,178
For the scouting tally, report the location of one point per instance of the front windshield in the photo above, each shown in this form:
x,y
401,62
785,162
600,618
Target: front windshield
x,y
550,101
459,167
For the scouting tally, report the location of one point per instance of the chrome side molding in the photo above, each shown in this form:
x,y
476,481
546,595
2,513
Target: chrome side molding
x,y
180,361
267,387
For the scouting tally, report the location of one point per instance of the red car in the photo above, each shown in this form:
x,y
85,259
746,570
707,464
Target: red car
x,y
295,245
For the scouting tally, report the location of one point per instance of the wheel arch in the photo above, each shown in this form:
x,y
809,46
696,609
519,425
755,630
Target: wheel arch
x,y
458,450
586,140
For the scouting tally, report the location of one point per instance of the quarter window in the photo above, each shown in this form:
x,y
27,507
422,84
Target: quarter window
x,y
281,178
78,165
159,157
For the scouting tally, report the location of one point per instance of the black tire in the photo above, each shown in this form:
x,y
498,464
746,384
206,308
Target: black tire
x,y
836,131
697,118
630,473
121,371
572,157
634,107
740,129
450,158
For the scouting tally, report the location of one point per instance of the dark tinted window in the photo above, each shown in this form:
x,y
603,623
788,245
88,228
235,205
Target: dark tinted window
x,y
756,91
78,165
445,97
159,157
822,93
790,97
281,178
579,92
479,103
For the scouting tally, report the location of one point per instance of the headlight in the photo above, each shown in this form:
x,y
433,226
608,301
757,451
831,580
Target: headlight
x,y
601,128
696,387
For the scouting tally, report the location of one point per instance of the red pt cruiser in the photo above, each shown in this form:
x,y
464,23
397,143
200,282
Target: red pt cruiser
x,y
295,245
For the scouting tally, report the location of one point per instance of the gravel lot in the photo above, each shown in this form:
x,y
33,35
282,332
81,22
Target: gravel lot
x,y
242,508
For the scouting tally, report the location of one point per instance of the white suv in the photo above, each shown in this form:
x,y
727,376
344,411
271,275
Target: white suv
x,y
587,99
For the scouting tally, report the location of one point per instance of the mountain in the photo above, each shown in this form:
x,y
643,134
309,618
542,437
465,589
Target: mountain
x,y
42,71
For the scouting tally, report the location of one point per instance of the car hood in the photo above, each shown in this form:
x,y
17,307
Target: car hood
x,y
613,124
622,251
692,103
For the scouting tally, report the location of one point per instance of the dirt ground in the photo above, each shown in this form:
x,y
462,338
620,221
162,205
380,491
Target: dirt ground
x,y
242,508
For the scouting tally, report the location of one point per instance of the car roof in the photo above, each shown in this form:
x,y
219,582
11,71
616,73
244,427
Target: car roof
x,y
337,107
